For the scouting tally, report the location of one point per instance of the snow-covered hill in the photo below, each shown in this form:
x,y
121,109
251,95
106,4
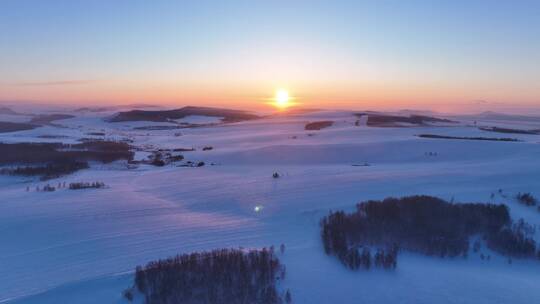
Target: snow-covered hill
x,y
82,246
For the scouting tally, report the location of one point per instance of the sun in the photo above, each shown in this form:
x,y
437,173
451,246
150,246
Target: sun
x,y
282,99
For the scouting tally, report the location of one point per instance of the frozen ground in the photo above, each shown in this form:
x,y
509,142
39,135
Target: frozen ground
x,y
81,246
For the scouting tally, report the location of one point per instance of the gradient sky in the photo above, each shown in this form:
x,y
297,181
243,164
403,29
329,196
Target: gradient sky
x,y
423,54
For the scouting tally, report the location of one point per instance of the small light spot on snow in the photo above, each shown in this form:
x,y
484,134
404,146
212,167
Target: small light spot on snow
x,y
258,208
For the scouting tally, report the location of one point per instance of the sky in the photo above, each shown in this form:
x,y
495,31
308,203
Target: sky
x,y
438,55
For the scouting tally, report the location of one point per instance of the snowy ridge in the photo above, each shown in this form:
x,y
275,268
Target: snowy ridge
x,y
82,246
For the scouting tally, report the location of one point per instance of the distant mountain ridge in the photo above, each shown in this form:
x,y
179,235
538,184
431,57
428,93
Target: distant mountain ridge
x,y
8,111
227,115
6,127
46,119
501,116
382,120
115,108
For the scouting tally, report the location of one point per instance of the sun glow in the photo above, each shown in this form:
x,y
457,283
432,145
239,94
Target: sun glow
x,y
282,100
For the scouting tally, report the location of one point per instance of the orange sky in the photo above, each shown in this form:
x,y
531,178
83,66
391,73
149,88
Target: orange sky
x,y
328,54
252,96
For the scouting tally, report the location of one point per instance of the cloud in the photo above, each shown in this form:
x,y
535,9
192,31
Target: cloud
x,y
53,83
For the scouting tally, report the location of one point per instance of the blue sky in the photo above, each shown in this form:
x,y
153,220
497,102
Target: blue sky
x,y
342,53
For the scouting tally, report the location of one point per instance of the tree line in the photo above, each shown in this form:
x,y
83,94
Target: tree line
x,y
423,224
231,276
526,199
47,171
361,257
52,160
86,185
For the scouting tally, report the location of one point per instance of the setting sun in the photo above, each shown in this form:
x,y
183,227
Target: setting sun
x,y
282,99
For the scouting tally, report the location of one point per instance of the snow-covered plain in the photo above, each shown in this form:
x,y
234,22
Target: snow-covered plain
x,y
82,246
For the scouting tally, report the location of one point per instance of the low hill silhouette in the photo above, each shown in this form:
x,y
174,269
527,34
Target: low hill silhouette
x,y
167,115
